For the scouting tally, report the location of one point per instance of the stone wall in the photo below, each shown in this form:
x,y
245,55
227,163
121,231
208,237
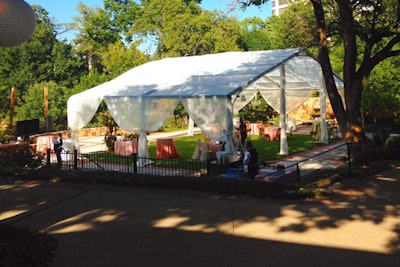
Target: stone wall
x,y
309,110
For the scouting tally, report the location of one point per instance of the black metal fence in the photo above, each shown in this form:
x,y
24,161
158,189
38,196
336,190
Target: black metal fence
x,y
296,167
103,161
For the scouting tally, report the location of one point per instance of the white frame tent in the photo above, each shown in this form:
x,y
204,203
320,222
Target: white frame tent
x,y
143,98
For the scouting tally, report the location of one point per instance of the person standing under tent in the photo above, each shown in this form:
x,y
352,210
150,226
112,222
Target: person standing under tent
x,y
242,132
250,161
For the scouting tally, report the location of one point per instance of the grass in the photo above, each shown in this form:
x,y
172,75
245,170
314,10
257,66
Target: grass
x,y
267,150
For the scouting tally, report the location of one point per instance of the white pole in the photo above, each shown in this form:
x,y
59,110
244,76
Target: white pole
x,y
284,150
322,99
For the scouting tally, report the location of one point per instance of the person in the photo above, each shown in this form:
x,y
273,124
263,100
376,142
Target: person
x,y
250,161
57,143
243,132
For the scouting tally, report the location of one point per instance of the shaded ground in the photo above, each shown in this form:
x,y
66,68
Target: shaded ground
x,y
23,247
354,201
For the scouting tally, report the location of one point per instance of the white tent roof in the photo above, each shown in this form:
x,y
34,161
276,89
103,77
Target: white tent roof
x,y
220,74
156,87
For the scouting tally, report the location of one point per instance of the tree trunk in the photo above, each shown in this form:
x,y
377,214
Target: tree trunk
x,y
349,116
323,57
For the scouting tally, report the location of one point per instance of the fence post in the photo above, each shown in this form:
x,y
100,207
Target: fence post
x,y
298,173
134,158
75,159
208,166
48,157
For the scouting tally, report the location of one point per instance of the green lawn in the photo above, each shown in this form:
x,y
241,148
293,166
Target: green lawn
x,y
268,150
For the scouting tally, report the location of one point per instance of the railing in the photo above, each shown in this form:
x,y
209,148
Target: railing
x,y
102,161
298,171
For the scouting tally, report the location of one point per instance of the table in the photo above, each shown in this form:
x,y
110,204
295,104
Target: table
x,y
125,148
44,142
166,149
272,133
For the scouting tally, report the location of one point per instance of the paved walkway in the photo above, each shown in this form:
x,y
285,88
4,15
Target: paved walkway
x,y
121,226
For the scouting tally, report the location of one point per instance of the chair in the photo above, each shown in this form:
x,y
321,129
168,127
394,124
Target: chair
x,y
261,130
315,132
203,152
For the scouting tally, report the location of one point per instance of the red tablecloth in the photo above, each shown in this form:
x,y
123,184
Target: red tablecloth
x,y
272,133
44,142
166,149
125,148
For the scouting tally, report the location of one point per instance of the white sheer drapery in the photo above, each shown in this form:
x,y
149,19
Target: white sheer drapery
x,y
213,115
81,108
241,100
140,115
209,113
128,112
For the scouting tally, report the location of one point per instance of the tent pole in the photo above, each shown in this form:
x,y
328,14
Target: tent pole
x,y
229,147
142,145
284,150
322,99
190,127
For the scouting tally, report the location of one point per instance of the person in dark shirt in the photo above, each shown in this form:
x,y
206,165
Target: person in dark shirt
x,y
57,143
243,132
250,161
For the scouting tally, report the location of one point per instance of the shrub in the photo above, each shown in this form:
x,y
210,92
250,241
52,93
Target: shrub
x,y
18,160
380,136
391,147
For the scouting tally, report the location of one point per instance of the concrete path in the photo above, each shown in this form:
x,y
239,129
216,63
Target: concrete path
x,y
121,226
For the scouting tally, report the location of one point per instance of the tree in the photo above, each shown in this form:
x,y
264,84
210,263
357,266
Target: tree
x,y
293,28
96,32
254,34
118,59
42,58
381,96
370,25
68,66
182,28
32,106
123,14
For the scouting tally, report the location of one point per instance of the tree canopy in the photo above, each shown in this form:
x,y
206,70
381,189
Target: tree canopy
x,y
369,32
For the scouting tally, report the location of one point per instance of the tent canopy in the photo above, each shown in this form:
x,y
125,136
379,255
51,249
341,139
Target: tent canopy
x,y
143,98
